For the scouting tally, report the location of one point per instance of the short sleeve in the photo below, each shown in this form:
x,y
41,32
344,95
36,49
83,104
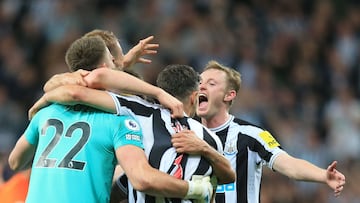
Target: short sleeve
x,y
128,133
32,131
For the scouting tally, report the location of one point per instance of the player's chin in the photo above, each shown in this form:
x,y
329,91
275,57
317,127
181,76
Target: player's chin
x,y
201,112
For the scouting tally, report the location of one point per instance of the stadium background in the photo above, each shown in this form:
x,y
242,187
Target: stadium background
x,y
299,60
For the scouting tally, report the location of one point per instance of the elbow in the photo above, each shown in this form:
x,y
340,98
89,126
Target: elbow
x,y
144,180
228,178
13,164
232,177
142,184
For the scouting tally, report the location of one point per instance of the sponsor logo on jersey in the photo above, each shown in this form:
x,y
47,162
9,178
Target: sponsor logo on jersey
x,y
133,137
269,139
132,125
225,188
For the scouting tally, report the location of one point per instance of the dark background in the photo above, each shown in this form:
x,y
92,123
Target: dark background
x,y
299,62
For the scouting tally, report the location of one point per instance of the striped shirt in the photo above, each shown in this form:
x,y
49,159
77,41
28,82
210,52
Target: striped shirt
x,y
158,126
248,148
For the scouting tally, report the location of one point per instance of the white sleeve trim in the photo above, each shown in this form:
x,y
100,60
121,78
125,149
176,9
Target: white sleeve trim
x,y
273,158
116,102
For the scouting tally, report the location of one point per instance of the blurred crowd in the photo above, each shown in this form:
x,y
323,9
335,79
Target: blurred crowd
x,y
299,60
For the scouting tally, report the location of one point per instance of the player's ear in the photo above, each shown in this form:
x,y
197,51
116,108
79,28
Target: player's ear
x,y
194,97
230,95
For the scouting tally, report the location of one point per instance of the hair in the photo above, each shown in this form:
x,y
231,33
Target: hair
x,y
178,80
109,38
85,53
233,78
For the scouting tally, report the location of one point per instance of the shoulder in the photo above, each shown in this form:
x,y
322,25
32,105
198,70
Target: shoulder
x,y
254,131
136,99
129,122
245,127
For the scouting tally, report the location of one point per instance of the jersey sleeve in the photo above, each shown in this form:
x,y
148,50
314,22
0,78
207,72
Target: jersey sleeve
x,y
120,110
128,133
116,102
271,145
32,131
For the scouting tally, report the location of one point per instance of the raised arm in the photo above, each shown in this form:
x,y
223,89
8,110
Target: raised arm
x,y
303,170
187,142
135,55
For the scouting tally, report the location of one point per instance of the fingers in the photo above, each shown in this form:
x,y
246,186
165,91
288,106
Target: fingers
x,y
81,82
146,40
338,191
143,60
144,43
332,166
149,52
177,113
82,72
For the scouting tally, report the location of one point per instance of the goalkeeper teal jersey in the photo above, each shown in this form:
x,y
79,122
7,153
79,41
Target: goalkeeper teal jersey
x,y
75,155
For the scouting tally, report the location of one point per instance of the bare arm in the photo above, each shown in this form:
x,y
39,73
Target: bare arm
x,y
187,142
21,156
117,81
113,80
154,182
144,47
75,94
74,78
303,170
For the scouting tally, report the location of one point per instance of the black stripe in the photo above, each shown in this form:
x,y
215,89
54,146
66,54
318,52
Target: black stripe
x,y
242,169
220,198
162,140
204,164
137,108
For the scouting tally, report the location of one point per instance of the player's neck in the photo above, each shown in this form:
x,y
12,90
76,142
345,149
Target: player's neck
x,y
216,120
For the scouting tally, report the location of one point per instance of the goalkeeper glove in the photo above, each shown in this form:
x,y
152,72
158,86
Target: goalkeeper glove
x,y
200,189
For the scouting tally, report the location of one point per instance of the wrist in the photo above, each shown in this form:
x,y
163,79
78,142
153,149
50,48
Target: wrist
x,y
206,151
159,93
193,191
199,188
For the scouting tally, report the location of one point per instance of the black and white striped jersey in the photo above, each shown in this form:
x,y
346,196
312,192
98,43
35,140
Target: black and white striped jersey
x,y
158,126
248,148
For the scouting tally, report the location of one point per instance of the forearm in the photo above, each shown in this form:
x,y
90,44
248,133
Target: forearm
x,y
221,166
162,184
309,172
299,169
54,82
121,82
73,78
129,60
21,156
74,94
146,179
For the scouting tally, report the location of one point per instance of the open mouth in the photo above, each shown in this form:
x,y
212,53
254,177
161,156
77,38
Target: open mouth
x,y
203,100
